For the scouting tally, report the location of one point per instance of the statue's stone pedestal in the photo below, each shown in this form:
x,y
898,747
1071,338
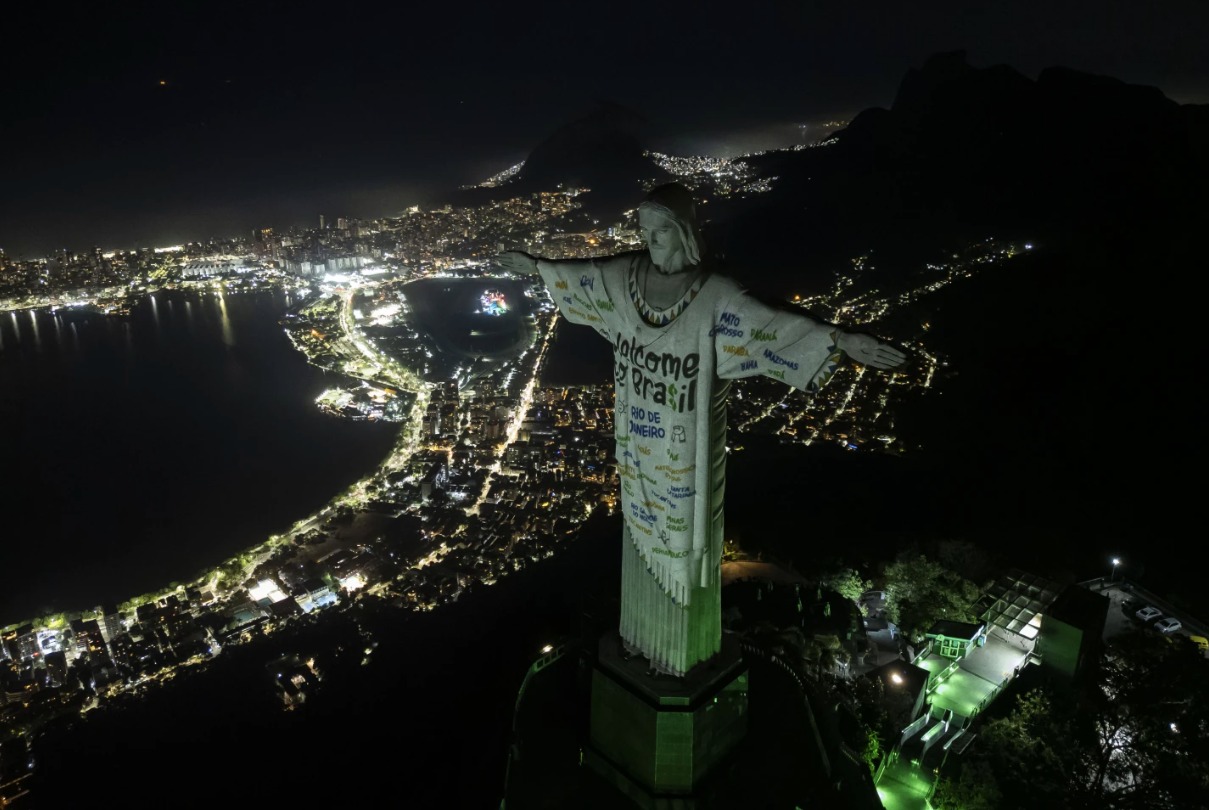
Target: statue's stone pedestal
x,y
657,737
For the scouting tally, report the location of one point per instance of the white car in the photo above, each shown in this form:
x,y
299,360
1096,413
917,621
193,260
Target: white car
x,y
1149,612
1167,625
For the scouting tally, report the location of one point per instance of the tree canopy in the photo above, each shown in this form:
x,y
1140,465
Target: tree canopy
x,y
919,592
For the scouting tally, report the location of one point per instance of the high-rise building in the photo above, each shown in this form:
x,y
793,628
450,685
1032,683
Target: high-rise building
x,y
110,623
87,637
322,222
56,667
26,644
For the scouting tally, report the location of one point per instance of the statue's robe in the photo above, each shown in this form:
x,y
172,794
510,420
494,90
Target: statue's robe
x,y
671,382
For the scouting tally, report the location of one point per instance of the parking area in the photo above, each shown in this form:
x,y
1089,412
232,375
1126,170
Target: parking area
x,y
1128,599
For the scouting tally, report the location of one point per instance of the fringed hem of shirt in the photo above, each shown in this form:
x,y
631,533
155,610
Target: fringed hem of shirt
x,y
674,637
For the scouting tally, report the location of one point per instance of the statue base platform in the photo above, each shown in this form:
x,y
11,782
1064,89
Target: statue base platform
x,y
656,737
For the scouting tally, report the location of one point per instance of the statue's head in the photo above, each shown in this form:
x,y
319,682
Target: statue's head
x,y
668,221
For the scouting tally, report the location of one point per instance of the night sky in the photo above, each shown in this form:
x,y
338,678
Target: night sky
x,y
151,124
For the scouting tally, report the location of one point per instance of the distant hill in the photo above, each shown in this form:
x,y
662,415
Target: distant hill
x,y
601,151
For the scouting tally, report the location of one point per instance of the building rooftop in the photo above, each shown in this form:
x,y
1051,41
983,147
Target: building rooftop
x,y
1016,600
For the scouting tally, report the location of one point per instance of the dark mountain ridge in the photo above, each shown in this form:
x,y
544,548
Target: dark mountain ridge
x,y
966,151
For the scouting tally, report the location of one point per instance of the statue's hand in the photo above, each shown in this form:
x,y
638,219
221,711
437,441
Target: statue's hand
x,y
516,261
870,351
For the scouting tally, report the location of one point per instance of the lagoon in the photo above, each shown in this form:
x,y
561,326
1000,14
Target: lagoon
x,y
139,451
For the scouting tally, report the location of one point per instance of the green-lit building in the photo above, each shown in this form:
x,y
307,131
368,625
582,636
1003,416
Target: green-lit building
x,y
955,639
1072,632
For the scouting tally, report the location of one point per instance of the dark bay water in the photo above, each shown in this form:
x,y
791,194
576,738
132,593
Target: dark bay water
x,y
577,356
139,451
450,311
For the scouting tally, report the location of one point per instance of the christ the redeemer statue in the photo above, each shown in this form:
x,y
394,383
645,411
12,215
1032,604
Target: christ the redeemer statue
x,y
680,333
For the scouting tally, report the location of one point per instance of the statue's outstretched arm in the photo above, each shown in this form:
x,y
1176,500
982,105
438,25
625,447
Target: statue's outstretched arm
x,y
869,351
576,285
517,261
756,338
522,263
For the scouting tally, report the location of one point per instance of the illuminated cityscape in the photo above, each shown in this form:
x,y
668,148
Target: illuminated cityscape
x,y
959,585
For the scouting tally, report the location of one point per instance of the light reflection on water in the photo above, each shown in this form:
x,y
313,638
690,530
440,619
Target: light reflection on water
x,y
13,334
228,334
33,319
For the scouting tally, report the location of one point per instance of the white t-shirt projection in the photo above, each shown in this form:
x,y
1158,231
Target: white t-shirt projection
x,y
671,384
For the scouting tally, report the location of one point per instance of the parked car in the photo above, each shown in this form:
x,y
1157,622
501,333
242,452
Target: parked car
x,y
1149,612
1168,625
1201,642
1131,606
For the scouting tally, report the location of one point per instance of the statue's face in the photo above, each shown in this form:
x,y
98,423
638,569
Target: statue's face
x,y
662,239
